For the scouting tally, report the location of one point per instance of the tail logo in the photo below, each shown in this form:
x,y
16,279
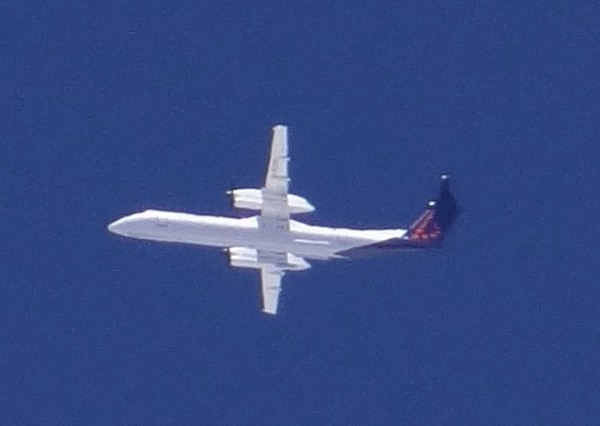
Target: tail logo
x,y
436,221
425,228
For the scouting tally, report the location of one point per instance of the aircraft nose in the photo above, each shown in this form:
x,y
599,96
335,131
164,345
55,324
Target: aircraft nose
x,y
116,227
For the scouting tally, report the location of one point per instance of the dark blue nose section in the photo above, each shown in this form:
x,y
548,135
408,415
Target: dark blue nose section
x,y
434,224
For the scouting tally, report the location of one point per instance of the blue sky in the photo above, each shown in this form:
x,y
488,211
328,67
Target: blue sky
x,y
109,109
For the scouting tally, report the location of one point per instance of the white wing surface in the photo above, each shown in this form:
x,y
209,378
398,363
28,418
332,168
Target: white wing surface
x,y
275,214
277,173
273,267
275,218
271,287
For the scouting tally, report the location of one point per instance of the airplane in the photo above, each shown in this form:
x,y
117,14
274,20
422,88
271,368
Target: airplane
x,y
272,242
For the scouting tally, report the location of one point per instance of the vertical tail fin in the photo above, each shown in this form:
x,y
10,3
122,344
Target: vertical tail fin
x,y
435,223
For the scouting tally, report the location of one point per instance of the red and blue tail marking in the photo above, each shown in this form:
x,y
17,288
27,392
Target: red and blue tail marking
x,y
433,225
427,231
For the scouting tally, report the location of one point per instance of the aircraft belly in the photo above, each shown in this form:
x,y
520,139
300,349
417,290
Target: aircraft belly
x,y
219,236
323,243
312,242
301,245
196,233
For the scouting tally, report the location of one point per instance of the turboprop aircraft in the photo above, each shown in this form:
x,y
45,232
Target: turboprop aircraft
x,y
273,243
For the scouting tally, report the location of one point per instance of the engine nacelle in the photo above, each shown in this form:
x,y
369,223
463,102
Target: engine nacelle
x,y
252,199
243,257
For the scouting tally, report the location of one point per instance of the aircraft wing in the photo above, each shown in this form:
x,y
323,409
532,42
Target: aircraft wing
x,y
277,173
271,287
275,213
272,265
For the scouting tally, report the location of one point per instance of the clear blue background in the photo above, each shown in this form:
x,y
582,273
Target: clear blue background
x,y
112,108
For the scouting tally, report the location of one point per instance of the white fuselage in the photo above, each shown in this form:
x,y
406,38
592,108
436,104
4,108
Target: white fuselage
x,y
311,242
